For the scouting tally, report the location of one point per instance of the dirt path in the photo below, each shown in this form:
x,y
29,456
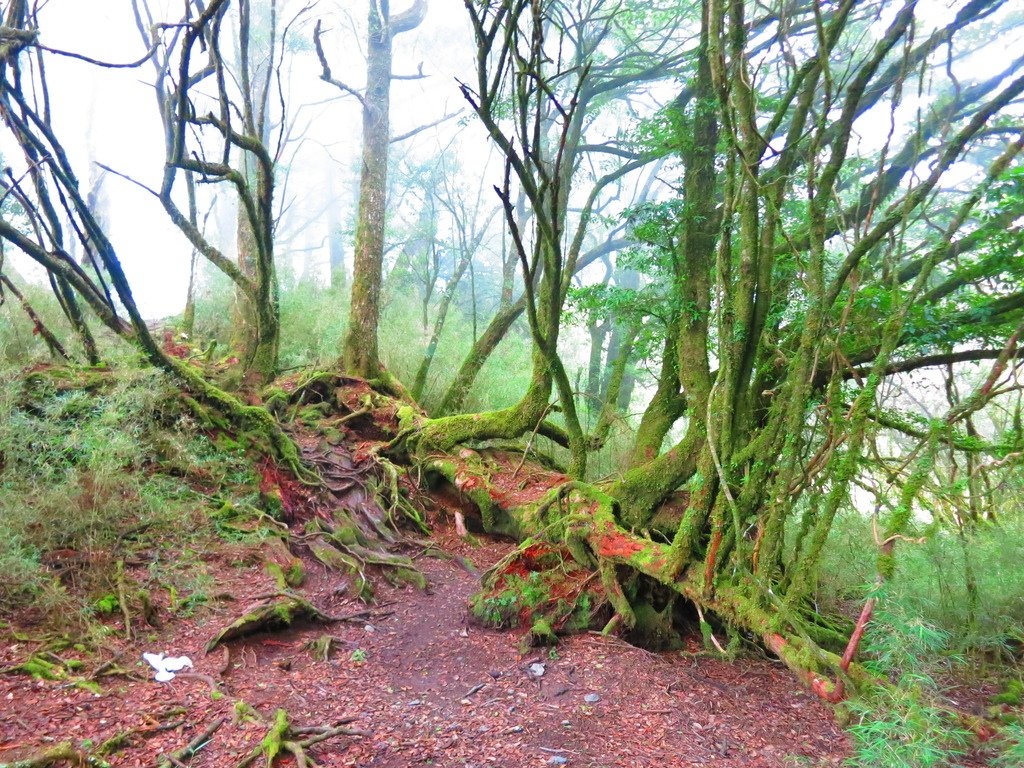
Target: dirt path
x,y
432,690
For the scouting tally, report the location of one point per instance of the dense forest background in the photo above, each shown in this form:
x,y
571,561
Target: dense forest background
x,y
744,278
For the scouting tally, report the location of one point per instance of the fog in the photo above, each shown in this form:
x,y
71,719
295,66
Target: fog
x,y
110,116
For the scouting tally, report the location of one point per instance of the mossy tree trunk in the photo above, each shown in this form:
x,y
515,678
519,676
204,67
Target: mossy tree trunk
x,y
247,162
30,129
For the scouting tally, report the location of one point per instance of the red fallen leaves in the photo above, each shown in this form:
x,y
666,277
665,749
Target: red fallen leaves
x,y
464,483
180,351
293,495
527,561
364,450
655,711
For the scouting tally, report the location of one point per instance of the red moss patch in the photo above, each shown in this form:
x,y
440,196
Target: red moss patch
x,y
618,545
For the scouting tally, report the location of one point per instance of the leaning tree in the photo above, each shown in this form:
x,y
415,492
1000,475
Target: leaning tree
x,y
798,271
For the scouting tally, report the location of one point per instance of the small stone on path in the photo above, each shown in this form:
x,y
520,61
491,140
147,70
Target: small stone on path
x,y
591,698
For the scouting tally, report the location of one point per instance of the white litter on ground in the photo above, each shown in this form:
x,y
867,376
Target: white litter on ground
x,y
166,666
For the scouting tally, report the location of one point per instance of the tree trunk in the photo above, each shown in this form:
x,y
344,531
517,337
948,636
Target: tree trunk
x,y
598,332
73,310
188,316
454,399
335,244
360,355
255,324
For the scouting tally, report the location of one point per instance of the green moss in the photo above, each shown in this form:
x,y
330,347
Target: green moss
x,y
272,503
292,577
541,633
106,605
295,574
407,417
273,742
39,668
1012,695
115,743
279,612
348,534
410,576
227,444
276,400
312,415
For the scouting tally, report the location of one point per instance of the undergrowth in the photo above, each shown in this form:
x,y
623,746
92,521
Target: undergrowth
x,y
99,469
899,725
930,581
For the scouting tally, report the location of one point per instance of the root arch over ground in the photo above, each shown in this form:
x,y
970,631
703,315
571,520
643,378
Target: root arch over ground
x,y
579,567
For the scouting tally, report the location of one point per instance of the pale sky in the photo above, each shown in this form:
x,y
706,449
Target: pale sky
x,y
110,115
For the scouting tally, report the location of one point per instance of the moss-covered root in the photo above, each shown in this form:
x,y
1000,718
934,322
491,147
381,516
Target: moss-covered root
x,y
62,754
283,738
278,612
253,424
65,754
580,520
345,549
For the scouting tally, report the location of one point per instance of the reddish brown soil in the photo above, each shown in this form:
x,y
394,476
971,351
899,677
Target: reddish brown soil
x,y
419,692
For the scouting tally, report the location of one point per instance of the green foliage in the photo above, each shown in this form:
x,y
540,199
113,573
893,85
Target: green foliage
x,y
930,580
898,725
1011,754
1012,695
19,344
313,319
106,605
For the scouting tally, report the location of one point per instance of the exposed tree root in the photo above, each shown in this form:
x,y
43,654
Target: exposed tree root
x,y
283,738
181,756
45,665
254,425
576,558
322,648
277,613
365,509
65,754
577,566
62,754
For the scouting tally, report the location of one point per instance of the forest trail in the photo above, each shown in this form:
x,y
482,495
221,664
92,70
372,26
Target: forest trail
x,y
418,692
411,671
